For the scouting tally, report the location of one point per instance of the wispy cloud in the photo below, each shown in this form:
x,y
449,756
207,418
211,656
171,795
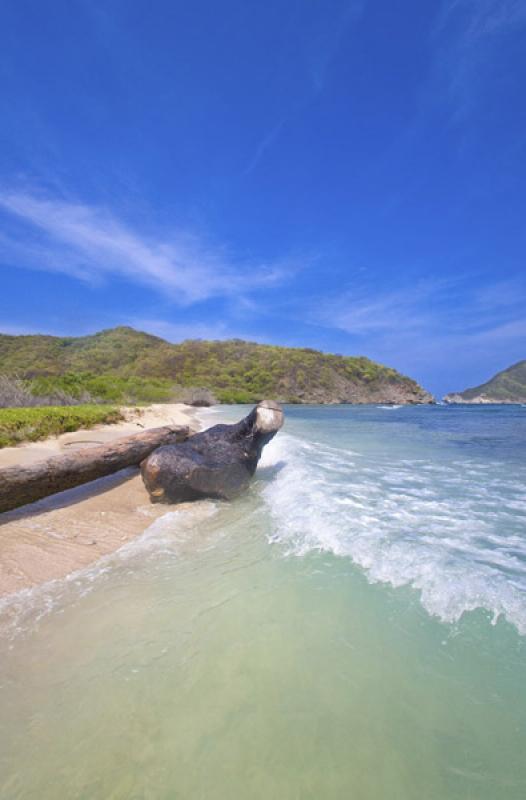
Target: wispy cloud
x,y
434,328
266,142
364,311
325,42
428,306
92,243
483,17
467,36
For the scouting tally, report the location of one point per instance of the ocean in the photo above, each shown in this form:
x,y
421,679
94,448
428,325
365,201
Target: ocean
x,y
354,626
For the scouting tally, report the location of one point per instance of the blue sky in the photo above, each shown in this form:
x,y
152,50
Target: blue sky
x,y
342,175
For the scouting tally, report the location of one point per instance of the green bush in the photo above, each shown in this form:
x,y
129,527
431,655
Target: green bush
x,y
106,388
30,424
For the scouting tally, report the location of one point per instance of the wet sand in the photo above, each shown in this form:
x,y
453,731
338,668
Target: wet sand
x,y
60,534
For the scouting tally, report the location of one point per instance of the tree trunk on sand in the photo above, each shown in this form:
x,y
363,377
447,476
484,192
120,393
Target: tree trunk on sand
x,y
216,463
22,485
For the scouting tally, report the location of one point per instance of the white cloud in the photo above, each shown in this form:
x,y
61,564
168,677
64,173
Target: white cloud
x,y
368,311
91,243
461,306
513,330
437,330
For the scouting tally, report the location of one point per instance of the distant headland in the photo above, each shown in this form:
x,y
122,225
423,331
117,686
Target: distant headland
x,y
507,386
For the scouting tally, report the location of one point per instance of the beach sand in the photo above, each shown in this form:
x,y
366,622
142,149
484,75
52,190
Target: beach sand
x,y
60,534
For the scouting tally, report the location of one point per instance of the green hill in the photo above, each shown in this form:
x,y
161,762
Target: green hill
x,y
121,363
508,386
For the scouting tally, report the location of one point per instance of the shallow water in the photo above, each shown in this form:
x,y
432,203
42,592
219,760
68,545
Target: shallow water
x,y
352,627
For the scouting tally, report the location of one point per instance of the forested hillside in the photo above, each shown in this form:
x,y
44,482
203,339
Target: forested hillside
x,y
123,364
507,386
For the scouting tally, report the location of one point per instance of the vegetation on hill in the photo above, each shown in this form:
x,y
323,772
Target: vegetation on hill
x,y
124,365
106,388
15,393
30,424
508,386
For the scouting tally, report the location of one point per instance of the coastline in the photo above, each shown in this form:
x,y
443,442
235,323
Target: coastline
x,y
71,530
323,598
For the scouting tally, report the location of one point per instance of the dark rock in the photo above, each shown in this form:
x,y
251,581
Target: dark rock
x,y
218,462
20,485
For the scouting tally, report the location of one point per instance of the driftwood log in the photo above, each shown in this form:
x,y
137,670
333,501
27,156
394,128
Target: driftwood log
x,y
218,462
20,485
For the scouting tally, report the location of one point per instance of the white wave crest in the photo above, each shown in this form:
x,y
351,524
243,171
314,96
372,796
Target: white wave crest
x,y
455,533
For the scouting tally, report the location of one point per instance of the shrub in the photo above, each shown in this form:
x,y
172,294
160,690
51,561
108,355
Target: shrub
x,y
31,424
195,396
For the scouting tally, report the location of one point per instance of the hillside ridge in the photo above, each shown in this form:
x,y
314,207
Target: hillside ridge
x,y
506,386
234,370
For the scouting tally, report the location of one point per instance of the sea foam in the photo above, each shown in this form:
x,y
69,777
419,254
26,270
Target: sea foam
x,y
452,531
164,539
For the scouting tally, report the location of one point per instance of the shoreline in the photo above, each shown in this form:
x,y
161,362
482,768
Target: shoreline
x,y
61,534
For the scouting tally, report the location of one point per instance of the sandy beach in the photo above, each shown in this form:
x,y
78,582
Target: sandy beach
x,y
66,532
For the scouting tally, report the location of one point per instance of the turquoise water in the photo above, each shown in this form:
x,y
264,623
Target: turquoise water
x,y
353,627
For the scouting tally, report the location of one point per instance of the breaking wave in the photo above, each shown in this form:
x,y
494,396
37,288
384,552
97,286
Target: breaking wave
x,y
454,531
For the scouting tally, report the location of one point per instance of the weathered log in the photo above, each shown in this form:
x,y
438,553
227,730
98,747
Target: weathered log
x,y
218,462
20,485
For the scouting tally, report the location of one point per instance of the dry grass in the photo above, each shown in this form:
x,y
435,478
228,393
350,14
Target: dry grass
x,y
15,393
